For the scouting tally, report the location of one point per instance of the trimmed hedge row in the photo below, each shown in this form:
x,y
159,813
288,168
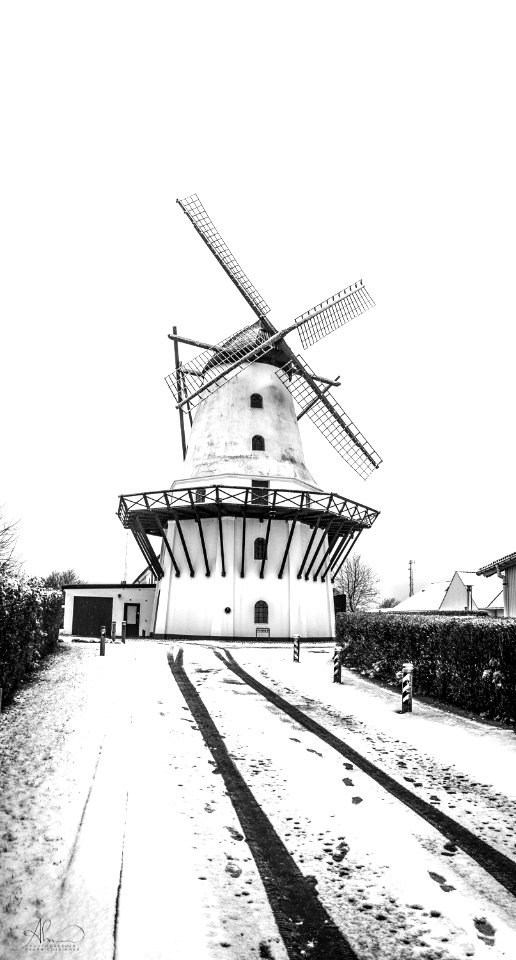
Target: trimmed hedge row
x,y
30,617
469,662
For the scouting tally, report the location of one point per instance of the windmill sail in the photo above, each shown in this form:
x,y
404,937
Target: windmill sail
x,y
211,369
333,313
196,213
329,417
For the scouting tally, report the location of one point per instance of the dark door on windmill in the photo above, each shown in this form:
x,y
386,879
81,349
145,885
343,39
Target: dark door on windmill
x,y
90,614
132,619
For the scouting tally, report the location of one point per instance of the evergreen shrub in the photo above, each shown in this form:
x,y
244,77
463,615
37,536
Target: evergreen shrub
x,y
469,662
30,617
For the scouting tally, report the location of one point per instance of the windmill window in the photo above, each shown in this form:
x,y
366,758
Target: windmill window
x,y
256,401
200,495
258,443
260,550
260,491
261,612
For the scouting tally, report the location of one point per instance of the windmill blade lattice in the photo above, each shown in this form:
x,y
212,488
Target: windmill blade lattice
x,y
197,376
329,417
318,322
196,213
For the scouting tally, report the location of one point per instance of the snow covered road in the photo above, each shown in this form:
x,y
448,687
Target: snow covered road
x,y
171,809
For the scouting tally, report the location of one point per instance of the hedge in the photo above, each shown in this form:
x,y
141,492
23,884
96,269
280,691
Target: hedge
x,y
469,662
30,618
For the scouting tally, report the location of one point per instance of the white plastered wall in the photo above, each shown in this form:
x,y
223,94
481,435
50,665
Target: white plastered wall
x,y
120,595
195,606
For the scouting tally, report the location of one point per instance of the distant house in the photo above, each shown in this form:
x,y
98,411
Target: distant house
x,y
466,591
505,568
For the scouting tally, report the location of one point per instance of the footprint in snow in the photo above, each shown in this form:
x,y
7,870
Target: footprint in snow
x,y
485,931
295,740
446,887
309,749
348,782
233,869
356,800
234,833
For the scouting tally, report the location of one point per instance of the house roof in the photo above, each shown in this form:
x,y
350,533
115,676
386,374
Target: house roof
x,y
501,564
428,598
432,596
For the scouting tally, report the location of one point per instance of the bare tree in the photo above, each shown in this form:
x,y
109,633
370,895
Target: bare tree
x,y
60,578
9,562
389,602
359,583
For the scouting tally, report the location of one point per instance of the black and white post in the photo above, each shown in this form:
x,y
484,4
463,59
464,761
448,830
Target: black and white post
x,y
337,664
406,687
113,631
102,641
124,628
296,646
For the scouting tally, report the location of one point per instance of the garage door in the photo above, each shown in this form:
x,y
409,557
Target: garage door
x,y
90,614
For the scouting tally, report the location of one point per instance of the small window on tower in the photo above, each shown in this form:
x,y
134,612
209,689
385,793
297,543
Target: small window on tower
x,y
258,442
259,549
256,401
261,612
200,495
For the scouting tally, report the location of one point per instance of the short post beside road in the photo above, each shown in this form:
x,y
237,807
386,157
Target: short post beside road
x,y
124,628
102,641
113,631
337,664
297,646
0,699
406,687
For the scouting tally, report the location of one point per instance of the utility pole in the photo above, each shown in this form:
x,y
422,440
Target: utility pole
x,y
411,577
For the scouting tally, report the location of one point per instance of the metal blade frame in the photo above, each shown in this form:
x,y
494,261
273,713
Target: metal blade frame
x,y
206,229
329,417
229,358
333,313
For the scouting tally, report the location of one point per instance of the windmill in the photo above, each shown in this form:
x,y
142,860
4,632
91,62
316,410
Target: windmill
x,y
243,398
193,382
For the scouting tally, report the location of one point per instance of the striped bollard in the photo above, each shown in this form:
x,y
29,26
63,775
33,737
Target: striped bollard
x,y
124,628
337,665
113,631
297,646
406,687
102,641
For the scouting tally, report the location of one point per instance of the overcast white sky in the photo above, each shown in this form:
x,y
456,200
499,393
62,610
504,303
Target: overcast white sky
x,y
329,142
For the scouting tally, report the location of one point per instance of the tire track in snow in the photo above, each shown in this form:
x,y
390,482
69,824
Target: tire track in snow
x,y
499,866
305,926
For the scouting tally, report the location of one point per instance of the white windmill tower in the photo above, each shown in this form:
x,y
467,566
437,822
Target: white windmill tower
x,y
250,544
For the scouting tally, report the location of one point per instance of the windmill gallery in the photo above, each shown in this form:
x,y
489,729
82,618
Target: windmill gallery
x,y
250,545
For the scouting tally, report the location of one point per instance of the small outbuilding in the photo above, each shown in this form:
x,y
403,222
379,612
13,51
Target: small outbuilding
x,y
505,568
90,606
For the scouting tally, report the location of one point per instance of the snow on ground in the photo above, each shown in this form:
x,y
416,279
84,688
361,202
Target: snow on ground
x,y
111,822
412,896
113,819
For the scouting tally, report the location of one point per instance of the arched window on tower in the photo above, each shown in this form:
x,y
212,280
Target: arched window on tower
x,y
258,443
259,549
261,612
256,401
